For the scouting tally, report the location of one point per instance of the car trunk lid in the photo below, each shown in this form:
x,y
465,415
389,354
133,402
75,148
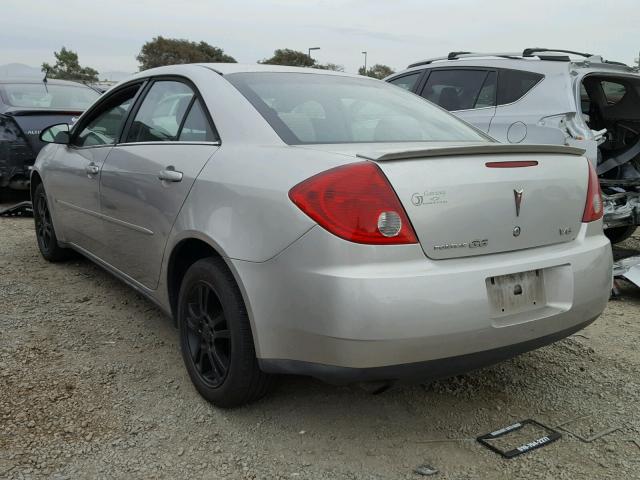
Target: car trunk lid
x,y
483,199
32,122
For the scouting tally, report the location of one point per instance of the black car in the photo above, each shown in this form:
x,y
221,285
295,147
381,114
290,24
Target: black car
x,y
27,106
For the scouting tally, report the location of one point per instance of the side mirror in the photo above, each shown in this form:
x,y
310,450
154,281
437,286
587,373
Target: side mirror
x,y
56,134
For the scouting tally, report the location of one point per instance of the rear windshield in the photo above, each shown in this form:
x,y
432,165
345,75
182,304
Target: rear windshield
x,y
310,108
39,95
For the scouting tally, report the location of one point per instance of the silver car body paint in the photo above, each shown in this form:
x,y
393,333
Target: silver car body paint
x,y
311,296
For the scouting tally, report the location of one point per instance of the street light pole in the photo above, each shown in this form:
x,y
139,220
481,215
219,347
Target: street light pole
x,y
312,48
365,62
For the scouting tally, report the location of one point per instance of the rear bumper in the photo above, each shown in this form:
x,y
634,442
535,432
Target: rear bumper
x,y
418,371
334,309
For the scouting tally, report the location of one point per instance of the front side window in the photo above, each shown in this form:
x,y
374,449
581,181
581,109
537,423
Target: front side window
x,y
104,125
307,108
456,89
48,96
161,113
514,84
407,81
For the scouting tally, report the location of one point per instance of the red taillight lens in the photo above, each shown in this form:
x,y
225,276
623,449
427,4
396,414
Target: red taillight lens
x,y
357,203
593,209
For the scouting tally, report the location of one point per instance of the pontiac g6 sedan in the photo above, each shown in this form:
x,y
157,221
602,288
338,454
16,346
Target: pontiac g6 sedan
x,y
317,223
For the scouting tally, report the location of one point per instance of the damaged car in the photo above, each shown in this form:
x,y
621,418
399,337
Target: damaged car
x,y
548,96
27,106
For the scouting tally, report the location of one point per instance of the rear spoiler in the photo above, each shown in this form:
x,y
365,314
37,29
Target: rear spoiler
x,y
488,149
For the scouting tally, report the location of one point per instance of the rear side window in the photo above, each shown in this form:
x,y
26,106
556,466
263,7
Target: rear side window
x,y
161,113
407,81
514,84
487,95
613,91
455,89
196,126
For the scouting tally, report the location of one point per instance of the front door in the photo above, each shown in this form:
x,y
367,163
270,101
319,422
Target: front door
x,y
74,183
146,179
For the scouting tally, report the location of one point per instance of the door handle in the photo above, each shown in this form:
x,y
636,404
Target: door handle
x,y
92,169
170,174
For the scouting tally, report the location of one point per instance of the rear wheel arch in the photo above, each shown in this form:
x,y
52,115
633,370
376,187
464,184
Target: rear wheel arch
x,y
184,254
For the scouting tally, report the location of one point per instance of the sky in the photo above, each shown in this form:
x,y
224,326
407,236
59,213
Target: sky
x,y
108,34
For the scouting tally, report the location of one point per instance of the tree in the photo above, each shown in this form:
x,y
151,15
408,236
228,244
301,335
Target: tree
x,y
329,66
377,71
67,67
293,58
172,51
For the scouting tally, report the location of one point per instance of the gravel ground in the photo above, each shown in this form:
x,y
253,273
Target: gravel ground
x,y
92,386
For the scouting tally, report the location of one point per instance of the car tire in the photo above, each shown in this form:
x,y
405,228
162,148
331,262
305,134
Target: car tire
x,y
45,233
215,337
619,234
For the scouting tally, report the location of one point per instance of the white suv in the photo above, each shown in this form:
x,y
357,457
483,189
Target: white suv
x,y
549,97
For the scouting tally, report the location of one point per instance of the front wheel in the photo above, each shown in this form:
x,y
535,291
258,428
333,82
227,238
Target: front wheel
x,y
45,233
215,337
619,234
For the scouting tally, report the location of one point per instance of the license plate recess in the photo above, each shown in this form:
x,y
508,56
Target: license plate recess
x,y
516,292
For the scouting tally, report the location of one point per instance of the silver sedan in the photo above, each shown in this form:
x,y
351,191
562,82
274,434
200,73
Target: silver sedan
x,y
310,222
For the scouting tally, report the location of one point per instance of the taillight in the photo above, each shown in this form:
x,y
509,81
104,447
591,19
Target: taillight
x,y
355,202
593,209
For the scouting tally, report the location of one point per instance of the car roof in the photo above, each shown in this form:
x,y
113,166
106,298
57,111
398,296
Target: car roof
x,y
229,68
527,64
36,80
535,60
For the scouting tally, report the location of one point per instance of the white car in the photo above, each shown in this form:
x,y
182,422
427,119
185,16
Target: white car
x,y
548,96
312,222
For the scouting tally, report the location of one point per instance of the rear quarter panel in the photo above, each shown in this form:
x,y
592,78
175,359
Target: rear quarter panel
x,y
240,201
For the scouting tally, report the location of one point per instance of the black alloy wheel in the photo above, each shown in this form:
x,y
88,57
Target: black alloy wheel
x,y
44,227
216,339
208,335
45,232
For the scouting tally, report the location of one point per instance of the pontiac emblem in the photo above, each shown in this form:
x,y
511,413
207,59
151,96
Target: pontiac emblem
x,y
517,194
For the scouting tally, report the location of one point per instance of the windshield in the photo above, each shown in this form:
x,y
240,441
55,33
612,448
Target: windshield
x,y
39,95
310,108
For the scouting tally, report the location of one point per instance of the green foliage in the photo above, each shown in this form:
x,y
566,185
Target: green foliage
x,y
329,66
67,67
293,58
377,71
171,51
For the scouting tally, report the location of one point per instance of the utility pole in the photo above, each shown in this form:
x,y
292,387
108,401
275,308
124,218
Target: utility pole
x,y
365,62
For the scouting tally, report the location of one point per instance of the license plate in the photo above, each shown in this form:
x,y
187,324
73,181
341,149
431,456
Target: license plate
x,y
516,292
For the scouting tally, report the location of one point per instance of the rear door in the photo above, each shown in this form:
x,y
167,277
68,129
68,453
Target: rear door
x,y
468,93
147,177
74,178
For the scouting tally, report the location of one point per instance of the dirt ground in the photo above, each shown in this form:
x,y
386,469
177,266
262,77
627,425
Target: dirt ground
x,y
92,386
